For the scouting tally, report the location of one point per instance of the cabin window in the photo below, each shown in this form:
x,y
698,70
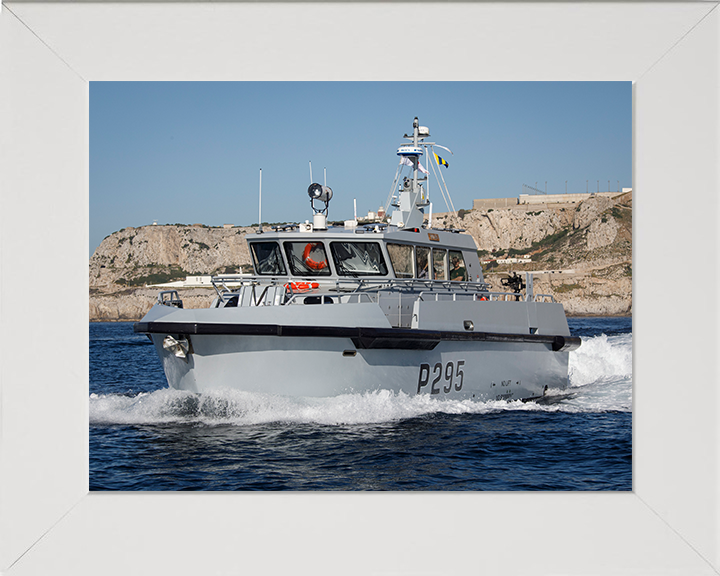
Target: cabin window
x,y
439,268
267,258
422,262
458,271
401,258
307,258
358,259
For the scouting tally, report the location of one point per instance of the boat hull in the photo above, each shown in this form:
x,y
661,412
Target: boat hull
x,y
317,366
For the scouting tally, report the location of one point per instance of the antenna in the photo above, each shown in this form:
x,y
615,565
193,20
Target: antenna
x,y
260,205
427,180
310,163
355,208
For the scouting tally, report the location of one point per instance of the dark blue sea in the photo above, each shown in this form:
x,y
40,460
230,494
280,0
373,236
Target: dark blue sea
x,y
145,436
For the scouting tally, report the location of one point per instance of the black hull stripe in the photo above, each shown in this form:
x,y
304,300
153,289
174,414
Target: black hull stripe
x,y
363,338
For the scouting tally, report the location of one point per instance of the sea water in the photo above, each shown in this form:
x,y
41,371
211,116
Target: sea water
x,y
146,436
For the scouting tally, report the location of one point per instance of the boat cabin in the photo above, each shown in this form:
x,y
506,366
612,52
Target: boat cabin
x,y
370,252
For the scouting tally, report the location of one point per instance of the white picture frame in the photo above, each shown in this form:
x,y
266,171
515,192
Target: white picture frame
x,y
49,523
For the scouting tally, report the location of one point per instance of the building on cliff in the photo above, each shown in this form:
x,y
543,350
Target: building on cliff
x,y
199,282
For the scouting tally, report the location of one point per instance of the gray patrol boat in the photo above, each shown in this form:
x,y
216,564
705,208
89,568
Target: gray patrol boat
x,y
332,310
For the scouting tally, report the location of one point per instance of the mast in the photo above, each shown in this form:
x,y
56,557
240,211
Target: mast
x,y
415,159
411,203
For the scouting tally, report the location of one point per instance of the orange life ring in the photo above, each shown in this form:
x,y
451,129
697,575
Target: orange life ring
x,y
309,261
302,286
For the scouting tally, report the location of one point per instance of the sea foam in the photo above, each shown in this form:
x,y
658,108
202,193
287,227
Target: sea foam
x,y
600,381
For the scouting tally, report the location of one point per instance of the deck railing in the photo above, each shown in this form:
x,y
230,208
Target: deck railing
x,y
272,290
173,298
348,284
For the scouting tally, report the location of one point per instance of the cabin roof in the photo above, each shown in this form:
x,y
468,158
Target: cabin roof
x,y
422,236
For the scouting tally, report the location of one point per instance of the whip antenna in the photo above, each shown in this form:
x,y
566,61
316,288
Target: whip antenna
x,y
260,205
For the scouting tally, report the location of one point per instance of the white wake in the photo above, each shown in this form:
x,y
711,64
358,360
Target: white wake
x,y
600,381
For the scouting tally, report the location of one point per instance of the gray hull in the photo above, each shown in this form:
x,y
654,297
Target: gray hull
x,y
321,366
514,349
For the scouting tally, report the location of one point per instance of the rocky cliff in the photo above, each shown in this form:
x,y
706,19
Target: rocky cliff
x,y
583,250
155,254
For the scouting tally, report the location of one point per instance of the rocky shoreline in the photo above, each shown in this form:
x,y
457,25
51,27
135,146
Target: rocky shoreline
x,y
581,255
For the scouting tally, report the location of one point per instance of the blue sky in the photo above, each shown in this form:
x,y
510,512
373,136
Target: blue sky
x,y
190,152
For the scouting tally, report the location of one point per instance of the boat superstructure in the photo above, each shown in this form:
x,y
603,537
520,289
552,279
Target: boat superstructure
x,y
346,309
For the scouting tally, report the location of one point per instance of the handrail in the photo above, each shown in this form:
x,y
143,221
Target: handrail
x,y
475,296
359,282
411,283
490,296
433,288
542,297
325,298
174,299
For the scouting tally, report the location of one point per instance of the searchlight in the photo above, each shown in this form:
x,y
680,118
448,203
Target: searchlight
x,y
321,194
